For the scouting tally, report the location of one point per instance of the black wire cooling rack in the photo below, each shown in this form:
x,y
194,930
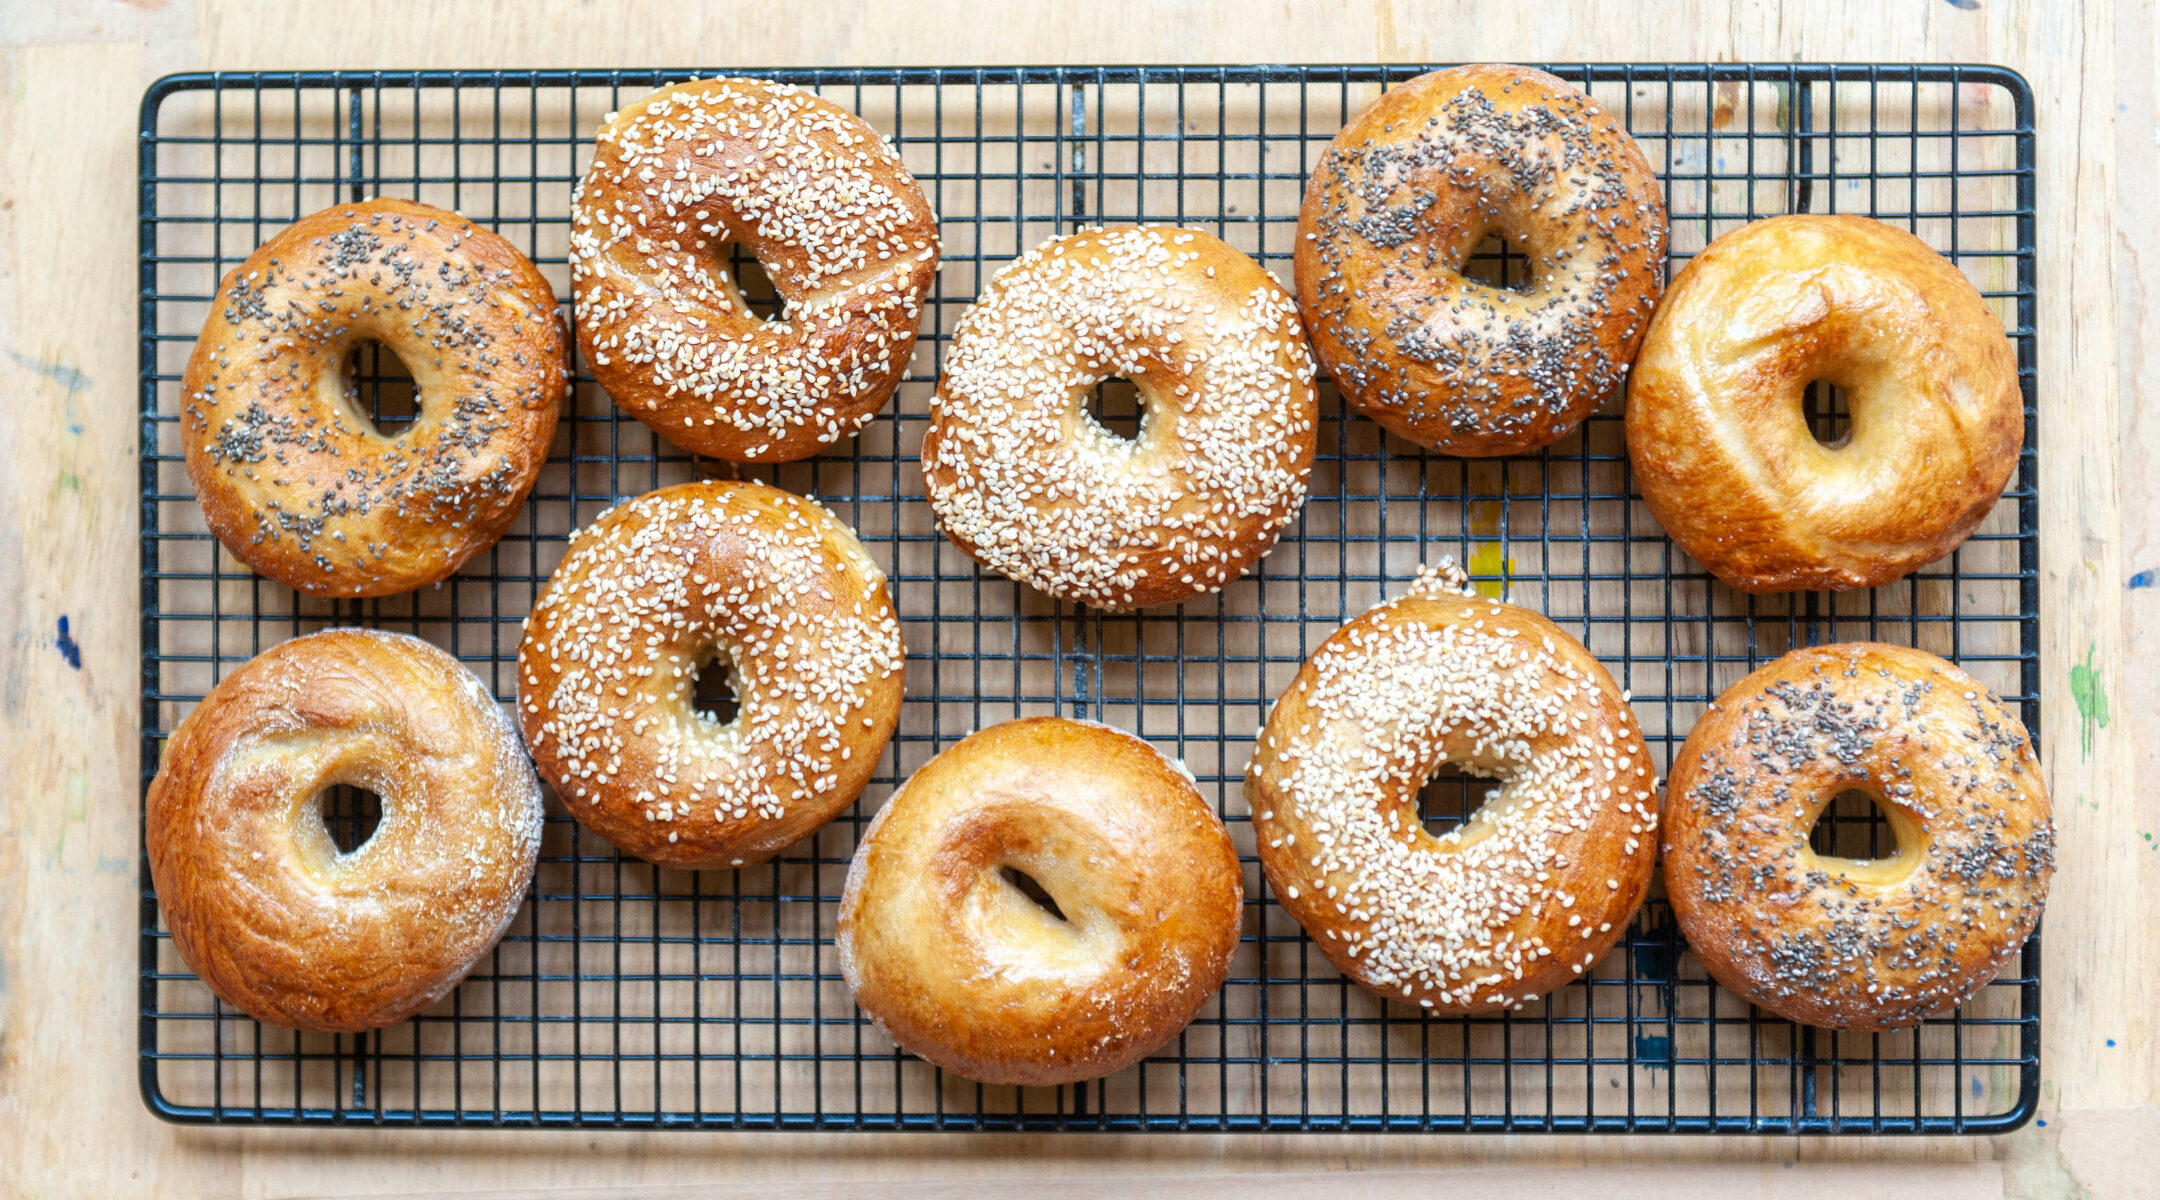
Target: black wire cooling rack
x,y
626,995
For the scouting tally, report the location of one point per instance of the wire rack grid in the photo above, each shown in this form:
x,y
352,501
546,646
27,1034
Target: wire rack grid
x,y
626,995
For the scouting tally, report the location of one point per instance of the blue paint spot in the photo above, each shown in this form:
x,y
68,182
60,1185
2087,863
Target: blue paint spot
x,y
1976,1087
2111,1041
69,650
2042,1122
2144,579
1966,5
60,373
1653,1051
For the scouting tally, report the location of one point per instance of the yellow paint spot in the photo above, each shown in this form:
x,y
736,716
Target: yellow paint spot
x,y
1488,559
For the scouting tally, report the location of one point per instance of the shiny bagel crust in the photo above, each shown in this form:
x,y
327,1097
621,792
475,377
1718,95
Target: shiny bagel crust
x,y
827,208
292,476
1539,882
762,582
1715,422
1843,943
1026,481
260,902
1403,197
959,966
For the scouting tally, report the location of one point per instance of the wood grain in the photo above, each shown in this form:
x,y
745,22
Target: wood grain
x,y
70,1118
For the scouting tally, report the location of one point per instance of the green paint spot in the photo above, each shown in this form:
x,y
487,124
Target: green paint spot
x,y
2092,701
1490,558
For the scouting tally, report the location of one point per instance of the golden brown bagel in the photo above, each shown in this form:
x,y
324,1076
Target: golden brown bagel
x,y
958,965
827,208
292,477
1523,896
762,581
1845,943
1721,445
1400,201
260,902
1026,481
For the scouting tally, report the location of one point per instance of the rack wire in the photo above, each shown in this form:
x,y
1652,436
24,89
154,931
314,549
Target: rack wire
x,y
626,995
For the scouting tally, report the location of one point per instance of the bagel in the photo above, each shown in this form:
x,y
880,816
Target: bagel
x,y
1021,476
293,478
758,581
261,903
948,955
1537,884
1402,198
1844,943
1715,423
830,212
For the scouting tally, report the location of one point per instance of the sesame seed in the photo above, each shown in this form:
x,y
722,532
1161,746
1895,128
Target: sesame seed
x,y
828,208
1436,677
1024,479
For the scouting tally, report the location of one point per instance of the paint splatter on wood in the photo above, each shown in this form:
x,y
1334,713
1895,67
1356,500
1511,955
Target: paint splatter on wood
x,y
2092,701
70,649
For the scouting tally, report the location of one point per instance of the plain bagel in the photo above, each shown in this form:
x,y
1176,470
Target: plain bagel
x,y
947,953
1721,445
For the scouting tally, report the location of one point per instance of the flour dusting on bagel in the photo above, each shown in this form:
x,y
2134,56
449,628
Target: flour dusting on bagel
x,y
260,900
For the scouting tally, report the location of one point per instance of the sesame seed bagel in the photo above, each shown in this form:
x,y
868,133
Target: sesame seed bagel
x,y
260,901
292,476
829,211
948,955
1519,899
1848,943
769,585
1402,198
1023,478
1716,426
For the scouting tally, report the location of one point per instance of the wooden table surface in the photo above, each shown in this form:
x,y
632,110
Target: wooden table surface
x,y
71,1122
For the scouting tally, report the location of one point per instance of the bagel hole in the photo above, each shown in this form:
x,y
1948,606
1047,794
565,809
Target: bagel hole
x,y
1828,416
379,387
743,279
1025,884
1114,405
712,691
350,814
1451,797
1500,263
1853,826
